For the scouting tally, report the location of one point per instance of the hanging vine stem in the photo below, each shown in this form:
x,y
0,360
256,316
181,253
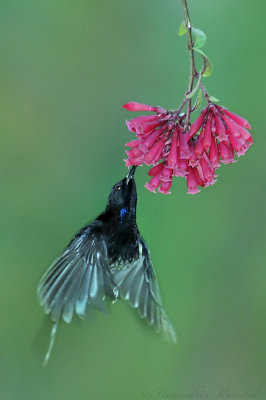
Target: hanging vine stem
x,y
193,72
205,93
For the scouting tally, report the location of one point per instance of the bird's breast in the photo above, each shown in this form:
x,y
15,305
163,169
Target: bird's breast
x,y
123,249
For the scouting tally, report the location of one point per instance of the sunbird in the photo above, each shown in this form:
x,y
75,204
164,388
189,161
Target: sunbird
x,y
107,258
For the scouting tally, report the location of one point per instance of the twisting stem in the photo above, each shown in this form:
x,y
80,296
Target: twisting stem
x,y
181,105
205,93
193,71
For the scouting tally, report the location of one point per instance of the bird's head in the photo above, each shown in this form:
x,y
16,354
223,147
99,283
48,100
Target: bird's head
x,y
123,195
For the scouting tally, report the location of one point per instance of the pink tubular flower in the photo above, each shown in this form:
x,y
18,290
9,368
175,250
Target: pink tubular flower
x,y
215,136
192,182
160,140
161,175
221,134
133,106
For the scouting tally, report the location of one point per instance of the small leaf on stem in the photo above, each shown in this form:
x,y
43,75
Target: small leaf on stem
x,y
182,29
198,101
199,38
207,64
213,99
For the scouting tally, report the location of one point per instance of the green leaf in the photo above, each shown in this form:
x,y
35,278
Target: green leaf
x,y
198,101
214,99
208,67
199,38
182,29
207,64
191,94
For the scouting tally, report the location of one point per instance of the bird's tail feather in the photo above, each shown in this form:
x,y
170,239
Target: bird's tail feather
x,y
51,343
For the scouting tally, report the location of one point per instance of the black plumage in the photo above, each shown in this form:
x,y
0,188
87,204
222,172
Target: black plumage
x,y
107,258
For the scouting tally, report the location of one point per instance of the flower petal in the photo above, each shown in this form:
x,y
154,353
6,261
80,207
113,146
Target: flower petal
x,y
166,174
154,183
184,151
192,184
151,156
134,106
239,120
165,186
214,154
207,134
155,170
196,125
226,153
172,158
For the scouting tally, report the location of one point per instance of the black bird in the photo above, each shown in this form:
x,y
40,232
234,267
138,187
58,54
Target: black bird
x,y
107,258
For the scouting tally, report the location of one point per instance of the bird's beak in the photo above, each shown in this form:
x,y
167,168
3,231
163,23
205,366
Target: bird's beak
x,y
131,173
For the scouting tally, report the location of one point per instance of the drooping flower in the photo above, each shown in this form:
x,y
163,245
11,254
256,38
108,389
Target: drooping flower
x,y
161,176
161,142
215,136
222,133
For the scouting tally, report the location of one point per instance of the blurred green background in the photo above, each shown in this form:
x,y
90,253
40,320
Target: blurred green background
x,y
66,69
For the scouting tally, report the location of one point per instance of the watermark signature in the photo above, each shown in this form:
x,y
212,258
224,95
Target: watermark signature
x,y
203,393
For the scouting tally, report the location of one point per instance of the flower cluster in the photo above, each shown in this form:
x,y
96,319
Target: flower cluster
x,y
161,142
195,154
216,135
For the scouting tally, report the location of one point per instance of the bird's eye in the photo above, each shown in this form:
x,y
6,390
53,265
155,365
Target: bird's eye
x,y
117,187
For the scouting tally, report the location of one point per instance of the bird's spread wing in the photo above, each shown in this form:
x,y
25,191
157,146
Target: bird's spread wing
x,y
78,277
137,283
